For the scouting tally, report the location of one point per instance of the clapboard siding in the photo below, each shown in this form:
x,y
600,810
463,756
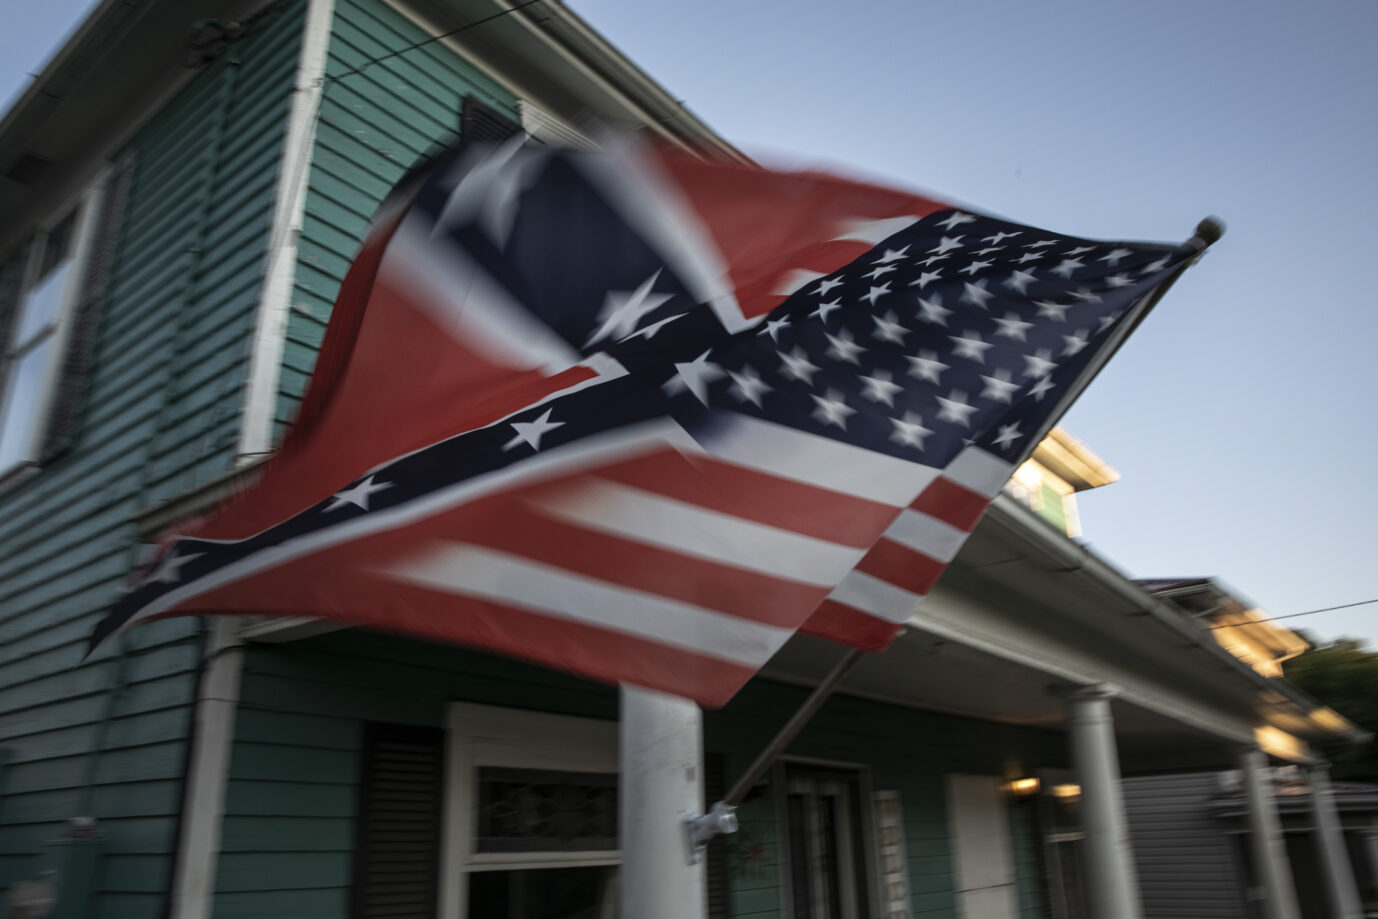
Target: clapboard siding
x,y
298,753
374,125
1186,866
108,736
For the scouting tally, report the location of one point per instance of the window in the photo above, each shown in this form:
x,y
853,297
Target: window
x,y
531,816
38,333
825,837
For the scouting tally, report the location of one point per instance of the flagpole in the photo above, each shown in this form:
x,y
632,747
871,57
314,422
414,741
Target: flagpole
x,y
660,789
721,817
812,704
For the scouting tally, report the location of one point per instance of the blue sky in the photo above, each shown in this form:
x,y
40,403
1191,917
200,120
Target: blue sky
x,y
1241,413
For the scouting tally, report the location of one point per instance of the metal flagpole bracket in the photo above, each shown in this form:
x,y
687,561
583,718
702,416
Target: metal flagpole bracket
x,y
720,820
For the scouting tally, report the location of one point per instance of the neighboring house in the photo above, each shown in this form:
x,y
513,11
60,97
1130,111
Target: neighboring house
x,y
183,187
1189,829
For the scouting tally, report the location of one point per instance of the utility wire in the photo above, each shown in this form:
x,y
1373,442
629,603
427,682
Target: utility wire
x,y
1310,612
431,40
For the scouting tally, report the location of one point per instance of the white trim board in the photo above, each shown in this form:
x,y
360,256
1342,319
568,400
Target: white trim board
x,y
203,804
289,206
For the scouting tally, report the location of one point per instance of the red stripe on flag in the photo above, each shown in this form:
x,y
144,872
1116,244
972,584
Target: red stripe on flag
x,y
586,650
951,503
849,626
625,563
759,497
902,566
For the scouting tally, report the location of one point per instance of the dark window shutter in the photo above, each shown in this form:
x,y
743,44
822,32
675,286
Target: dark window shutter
x,y
397,855
715,864
69,401
481,123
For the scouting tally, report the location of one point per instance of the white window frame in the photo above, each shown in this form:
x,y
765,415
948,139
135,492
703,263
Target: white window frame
x,y
84,205
485,735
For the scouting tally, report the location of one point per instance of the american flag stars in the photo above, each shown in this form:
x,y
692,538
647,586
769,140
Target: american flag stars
x,y
956,325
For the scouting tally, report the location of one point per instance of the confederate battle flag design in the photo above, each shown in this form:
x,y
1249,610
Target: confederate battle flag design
x,y
642,417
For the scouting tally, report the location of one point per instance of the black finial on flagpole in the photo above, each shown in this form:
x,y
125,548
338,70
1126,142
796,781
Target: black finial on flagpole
x,y
1208,232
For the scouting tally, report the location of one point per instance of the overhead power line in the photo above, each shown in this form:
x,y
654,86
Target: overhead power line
x,y
1310,612
433,39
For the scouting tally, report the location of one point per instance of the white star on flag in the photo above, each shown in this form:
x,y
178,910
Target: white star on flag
x,y
909,430
970,345
623,310
357,496
976,294
747,386
531,432
1009,433
832,410
955,219
169,570
842,347
933,311
797,366
694,376
926,366
880,387
955,409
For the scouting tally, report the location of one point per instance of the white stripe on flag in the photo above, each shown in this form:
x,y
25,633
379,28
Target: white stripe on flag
x,y
929,535
474,571
880,598
874,231
795,279
647,517
979,471
819,461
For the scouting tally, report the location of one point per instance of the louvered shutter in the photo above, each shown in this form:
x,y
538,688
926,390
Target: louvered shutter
x,y
481,123
715,862
69,400
397,856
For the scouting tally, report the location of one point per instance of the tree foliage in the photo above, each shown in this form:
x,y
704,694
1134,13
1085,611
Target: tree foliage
x,y
1344,676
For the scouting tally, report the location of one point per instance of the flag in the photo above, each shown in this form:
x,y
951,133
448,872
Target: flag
x,y
643,417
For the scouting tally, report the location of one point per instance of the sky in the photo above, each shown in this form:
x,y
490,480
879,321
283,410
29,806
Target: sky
x,y
1240,415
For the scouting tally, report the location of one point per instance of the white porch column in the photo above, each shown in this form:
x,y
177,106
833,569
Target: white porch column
x,y
1341,890
1112,887
660,786
1265,839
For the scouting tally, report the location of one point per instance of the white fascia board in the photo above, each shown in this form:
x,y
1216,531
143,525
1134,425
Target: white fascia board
x,y
275,302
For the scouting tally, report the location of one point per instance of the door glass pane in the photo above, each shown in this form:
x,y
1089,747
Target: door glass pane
x,y
17,418
828,876
831,867
40,307
799,868
547,893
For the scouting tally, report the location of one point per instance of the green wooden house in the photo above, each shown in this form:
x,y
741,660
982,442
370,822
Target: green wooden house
x,y
181,191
